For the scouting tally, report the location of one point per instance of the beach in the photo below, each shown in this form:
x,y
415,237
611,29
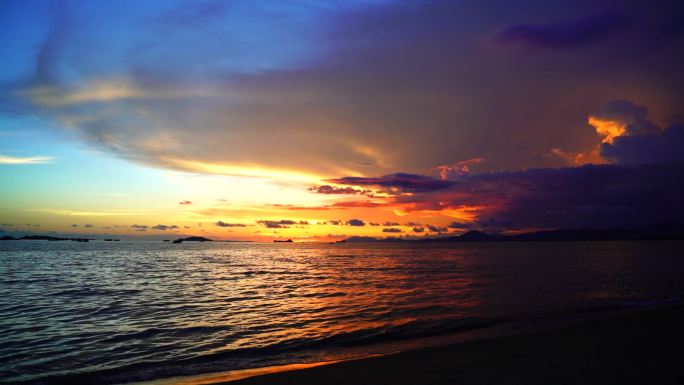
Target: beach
x,y
643,347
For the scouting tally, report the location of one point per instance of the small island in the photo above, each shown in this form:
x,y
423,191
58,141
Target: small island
x,y
43,238
193,239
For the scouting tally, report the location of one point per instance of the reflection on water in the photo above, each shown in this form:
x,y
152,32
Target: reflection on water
x,y
98,307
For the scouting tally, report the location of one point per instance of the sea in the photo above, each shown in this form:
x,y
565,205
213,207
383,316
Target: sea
x,y
121,312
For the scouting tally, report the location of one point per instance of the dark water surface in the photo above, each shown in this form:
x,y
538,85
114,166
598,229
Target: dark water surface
x,y
109,312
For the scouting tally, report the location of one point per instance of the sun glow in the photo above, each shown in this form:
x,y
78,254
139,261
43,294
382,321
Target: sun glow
x,y
608,129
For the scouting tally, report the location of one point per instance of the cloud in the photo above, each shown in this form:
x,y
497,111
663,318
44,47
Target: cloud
x,y
327,189
74,225
399,182
364,90
630,138
164,227
391,230
88,225
591,196
224,224
563,35
418,229
281,224
103,213
139,227
185,203
356,222
437,229
5,159
666,147
458,169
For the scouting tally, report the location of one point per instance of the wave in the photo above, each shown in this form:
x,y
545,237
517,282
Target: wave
x,y
261,356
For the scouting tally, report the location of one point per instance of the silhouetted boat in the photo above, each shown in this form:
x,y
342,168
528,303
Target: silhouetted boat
x,y
277,240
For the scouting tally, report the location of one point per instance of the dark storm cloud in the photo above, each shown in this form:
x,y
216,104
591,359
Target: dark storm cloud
x,y
565,34
593,196
633,117
224,224
643,141
399,181
666,147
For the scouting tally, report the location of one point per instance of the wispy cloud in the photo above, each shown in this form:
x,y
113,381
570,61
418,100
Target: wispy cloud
x,y
105,213
5,159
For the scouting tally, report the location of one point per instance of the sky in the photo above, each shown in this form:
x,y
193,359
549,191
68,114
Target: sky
x,y
320,120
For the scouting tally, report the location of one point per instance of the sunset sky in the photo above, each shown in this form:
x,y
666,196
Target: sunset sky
x,y
317,120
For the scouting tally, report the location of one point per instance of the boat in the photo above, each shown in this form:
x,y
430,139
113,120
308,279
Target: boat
x,y
277,240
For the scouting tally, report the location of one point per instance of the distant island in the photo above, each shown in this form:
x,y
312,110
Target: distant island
x,y
545,236
193,239
43,238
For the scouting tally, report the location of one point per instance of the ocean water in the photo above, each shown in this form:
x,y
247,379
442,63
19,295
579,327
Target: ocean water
x,y
116,312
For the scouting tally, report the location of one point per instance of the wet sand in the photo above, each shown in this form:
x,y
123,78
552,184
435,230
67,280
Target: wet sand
x,y
645,347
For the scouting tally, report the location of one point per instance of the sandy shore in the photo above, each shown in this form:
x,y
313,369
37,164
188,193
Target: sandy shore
x,y
645,347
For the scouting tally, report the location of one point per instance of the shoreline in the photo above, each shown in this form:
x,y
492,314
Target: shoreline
x,y
637,346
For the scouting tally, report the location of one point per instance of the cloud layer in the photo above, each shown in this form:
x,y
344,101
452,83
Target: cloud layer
x,y
384,87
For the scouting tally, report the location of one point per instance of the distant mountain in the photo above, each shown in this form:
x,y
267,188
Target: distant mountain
x,y
547,236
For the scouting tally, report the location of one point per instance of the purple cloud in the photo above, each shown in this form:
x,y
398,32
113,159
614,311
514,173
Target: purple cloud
x,y
666,147
401,182
563,35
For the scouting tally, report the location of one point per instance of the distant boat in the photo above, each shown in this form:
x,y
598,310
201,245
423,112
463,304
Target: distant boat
x,y
166,240
277,240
